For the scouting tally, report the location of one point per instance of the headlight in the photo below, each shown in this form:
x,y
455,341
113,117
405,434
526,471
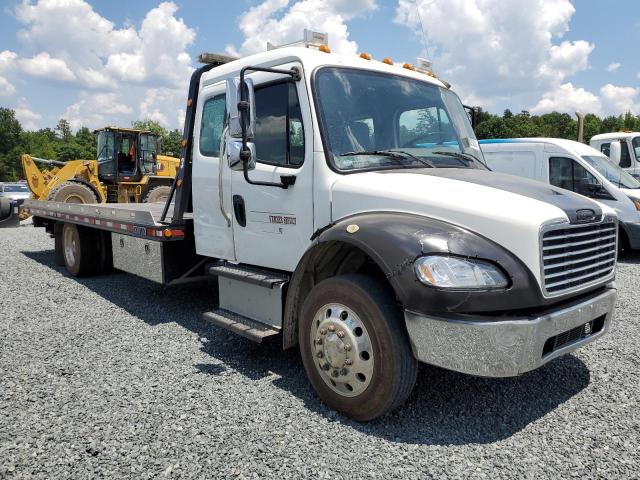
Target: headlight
x,y
636,203
459,273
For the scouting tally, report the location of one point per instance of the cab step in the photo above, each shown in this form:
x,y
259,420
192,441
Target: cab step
x,y
240,324
252,275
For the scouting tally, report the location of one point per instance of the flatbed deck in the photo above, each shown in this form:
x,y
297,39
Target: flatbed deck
x,y
137,219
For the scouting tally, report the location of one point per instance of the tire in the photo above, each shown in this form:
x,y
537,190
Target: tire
x,y
81,251
157,194
382,372
72,192
6,208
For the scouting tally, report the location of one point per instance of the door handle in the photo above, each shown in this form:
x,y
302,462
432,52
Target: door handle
x,y
239,210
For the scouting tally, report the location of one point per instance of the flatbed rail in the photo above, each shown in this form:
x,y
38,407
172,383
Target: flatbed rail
x,y
138,220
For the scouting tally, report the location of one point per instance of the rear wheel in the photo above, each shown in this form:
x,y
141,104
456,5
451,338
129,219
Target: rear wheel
x,y
157,194
81,250
72,192
355,348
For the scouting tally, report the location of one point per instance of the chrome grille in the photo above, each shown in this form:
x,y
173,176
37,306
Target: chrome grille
x,y
576,256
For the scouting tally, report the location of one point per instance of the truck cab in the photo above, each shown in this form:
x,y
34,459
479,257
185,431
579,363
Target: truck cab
x,y
626,151
343,205
576,167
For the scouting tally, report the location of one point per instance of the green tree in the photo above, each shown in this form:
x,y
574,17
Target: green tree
x,y
10,132
63,128
86,142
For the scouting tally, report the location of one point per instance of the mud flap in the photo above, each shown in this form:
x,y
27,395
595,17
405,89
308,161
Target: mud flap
x,y
9,215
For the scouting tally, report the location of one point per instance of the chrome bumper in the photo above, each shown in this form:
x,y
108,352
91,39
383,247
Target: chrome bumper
x,y
498,347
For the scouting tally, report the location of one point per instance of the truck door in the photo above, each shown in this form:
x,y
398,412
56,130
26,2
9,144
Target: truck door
x,y
214,235
272,226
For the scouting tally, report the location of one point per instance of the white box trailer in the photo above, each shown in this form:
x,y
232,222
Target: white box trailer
x,y
343,206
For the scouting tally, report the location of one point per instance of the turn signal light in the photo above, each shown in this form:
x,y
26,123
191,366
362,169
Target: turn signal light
x,y
387,60
408,66
366,56
324,48
167,233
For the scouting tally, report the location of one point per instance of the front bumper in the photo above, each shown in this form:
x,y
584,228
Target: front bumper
x,y
632,230
505,347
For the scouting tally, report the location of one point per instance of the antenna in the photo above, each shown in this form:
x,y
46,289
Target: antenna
x,y
424,34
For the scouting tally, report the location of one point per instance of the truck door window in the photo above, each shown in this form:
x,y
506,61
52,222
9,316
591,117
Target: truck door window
x,y
606,148
570,175
625,158
636,148
279,136
213,114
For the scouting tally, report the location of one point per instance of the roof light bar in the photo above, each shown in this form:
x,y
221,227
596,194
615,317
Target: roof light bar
x,y
311,39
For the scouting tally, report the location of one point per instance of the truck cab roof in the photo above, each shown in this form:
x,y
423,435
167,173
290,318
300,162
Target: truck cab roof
x,y
614,135
311,59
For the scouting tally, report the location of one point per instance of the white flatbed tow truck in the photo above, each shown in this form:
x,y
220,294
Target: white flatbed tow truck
x,y
343,206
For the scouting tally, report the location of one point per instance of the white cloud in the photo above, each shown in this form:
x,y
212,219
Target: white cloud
x,y
499,50
280,22
95,110
6,88
613,67
29,119
162,105
567,98
77,45
620,99
43,65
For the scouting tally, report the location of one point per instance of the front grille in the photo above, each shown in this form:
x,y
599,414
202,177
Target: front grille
x,y
574,335
578,255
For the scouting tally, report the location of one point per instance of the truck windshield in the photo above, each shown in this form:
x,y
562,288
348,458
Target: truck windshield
x,y
616,175
373,121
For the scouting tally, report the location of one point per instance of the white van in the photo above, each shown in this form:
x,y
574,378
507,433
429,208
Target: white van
x,y
627,155
573,166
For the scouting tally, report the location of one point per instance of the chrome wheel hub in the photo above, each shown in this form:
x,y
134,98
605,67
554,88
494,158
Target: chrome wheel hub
x,y
342,349
70,247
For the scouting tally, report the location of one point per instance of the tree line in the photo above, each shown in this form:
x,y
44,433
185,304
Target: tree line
x,y
60,143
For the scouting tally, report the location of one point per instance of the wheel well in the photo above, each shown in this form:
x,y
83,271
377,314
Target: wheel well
x,y
87,184
323,261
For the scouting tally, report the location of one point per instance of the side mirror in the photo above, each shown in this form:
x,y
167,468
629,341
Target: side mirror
x,y
236,115
233,148
615,152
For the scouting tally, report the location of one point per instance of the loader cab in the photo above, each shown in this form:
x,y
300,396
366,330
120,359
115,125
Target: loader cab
x,y
126,155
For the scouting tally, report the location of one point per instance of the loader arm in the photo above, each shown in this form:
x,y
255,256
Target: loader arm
x,y
42,182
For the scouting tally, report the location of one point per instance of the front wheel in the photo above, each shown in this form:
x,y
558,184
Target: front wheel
x,y
355,348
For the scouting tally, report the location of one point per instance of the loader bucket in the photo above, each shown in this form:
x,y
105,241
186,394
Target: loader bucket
x,y
9,215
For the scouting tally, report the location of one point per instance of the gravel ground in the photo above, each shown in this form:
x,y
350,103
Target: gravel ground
x,y
113,377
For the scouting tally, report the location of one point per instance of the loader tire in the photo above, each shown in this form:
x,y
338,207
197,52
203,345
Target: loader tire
x,y
72,192
81,250
157,194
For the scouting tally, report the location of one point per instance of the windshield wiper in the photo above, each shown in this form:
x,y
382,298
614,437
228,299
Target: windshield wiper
x,y
393,154
464,156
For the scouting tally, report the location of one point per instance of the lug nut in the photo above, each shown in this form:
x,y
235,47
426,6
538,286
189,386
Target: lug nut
x,y
318,341
347,347
323,331
319,354
332,328
348,361
340,334
326,366
335,373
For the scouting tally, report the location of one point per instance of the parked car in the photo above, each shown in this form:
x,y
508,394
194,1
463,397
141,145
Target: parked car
x,y
573,166
15,191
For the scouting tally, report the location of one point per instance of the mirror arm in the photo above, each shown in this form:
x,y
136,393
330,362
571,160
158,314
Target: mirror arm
x,y
243,107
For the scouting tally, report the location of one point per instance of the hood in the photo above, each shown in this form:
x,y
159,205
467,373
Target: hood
x,y
506,209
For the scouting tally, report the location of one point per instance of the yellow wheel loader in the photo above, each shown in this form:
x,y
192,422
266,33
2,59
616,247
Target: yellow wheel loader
x,y
128,169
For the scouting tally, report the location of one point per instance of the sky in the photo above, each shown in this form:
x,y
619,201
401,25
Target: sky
x,y
112,62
